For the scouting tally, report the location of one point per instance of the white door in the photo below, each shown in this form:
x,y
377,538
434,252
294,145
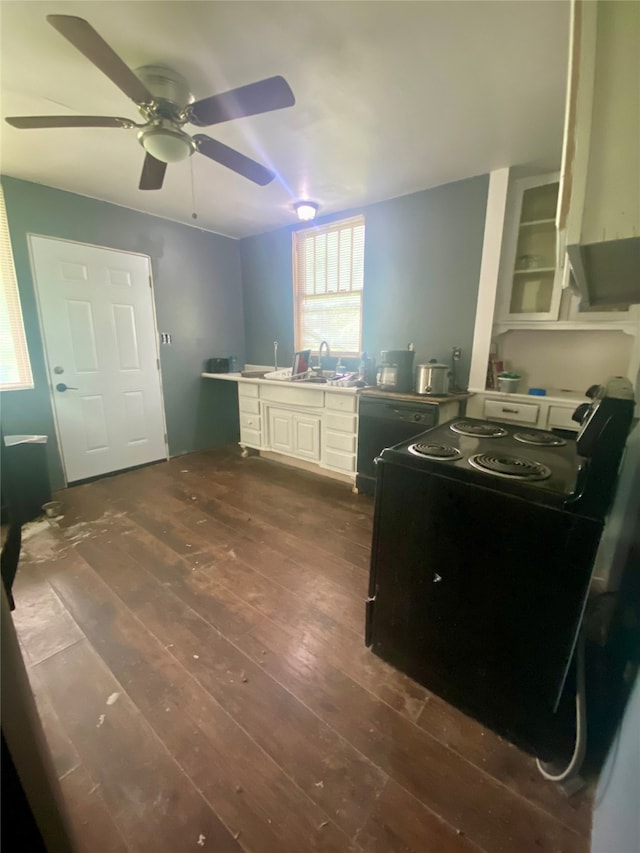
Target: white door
x,y
98,320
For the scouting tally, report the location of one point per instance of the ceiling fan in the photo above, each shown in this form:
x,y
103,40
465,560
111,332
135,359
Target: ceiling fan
x,y
166,105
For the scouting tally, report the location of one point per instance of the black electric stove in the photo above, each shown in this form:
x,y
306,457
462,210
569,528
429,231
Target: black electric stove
x,y
484,540
544,469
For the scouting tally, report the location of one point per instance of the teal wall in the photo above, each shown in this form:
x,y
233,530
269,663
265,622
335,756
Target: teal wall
x,y
198,298
422,267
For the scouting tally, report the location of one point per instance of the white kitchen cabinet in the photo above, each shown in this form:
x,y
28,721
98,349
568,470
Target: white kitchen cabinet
x,y
250,416
280,436
524,410
508,334
339,435
530,281
304,422
294,434
561,417
306,437
507,409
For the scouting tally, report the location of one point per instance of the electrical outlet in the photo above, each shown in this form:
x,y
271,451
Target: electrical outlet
x,y
456,352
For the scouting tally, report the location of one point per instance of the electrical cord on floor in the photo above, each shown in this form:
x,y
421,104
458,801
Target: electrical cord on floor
x,y
573,767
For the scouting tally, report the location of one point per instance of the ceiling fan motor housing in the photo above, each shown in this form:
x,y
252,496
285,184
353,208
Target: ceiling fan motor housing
x,y
165,84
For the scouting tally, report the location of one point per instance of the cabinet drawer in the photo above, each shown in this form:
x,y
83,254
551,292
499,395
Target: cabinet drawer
x,y
341,423
560,417
250,437
340,441
251,405
505,410
249,421
288,395
246,389
342,461
340,402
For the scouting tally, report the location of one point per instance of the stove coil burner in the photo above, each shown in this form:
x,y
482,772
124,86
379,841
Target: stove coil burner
x,y
510,467
541,439
435,451
478,430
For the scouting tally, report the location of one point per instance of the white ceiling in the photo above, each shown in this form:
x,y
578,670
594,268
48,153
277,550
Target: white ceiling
x,y
391,98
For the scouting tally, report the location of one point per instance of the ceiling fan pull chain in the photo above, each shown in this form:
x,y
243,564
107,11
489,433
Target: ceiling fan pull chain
x,y
194,215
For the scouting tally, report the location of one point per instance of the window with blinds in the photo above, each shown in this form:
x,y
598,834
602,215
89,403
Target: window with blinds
x,y
328,275
15,369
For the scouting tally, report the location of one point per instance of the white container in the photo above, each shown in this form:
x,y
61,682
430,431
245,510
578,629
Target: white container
x,y
508,386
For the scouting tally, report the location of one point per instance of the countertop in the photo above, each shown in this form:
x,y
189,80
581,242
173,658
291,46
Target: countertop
x,y
314,386
411,397
370,391
553,395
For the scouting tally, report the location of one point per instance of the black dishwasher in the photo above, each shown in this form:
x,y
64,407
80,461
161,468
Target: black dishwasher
x,y
384,423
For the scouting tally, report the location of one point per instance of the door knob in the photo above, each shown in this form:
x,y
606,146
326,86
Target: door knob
x,y
62,387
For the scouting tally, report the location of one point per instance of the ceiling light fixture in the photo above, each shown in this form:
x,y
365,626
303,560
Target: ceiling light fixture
x,y
306,210
167,144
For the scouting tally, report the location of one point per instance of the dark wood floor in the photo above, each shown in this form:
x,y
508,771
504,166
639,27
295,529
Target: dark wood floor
x,y
194,635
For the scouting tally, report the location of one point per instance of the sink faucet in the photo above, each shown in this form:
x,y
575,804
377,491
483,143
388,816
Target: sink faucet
x,y
323,346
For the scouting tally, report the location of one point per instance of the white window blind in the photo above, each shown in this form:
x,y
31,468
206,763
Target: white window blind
x,y
15,369
328,276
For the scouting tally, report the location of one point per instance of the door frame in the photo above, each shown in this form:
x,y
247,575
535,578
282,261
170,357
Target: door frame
x,y
43,340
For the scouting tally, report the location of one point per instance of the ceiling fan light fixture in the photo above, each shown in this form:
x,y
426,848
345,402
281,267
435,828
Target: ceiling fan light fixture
x,y
166,144
306,210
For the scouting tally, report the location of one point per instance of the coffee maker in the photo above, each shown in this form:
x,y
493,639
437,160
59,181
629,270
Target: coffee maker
x,y
395,371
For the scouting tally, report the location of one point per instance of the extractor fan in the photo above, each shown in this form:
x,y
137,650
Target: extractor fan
x,y
162,97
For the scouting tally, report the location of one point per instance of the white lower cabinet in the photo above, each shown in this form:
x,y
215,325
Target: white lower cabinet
x,y
306,436
250,416
543,414
280,430
340,433
311,424
294,434
506,410
560,417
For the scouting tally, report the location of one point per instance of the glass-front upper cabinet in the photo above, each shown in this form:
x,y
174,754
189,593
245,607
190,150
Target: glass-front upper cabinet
x,y
531,282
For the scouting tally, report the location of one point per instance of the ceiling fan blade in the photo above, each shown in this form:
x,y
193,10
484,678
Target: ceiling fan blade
x,y
83,37
34,122
261,97
233,160
152,173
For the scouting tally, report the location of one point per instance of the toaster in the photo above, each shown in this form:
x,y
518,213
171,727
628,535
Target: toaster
x,y
218,365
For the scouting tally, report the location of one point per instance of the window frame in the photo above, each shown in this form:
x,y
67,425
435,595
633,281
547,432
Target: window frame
x,y
15,317
297,236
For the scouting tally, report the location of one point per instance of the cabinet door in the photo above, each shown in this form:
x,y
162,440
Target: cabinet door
x,y
281,430
531,283
306,436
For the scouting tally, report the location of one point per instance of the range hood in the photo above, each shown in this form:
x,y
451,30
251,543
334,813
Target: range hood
x,y
606,274
598,215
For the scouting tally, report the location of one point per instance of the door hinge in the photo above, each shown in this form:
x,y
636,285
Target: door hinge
x,y
158,363
150,282
166,440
